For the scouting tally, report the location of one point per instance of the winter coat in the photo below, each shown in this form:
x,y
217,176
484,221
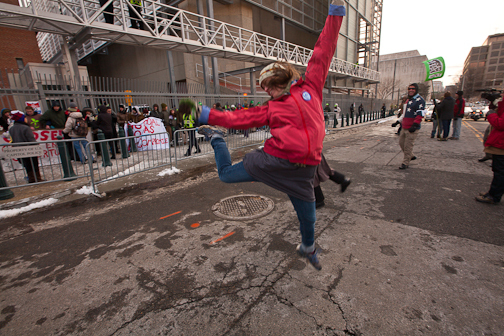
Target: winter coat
x,y
53,118
70,124
412,113
156,114
296,119
123,118
445,108
21,132
496,137
34,121
136,118
458,109
104,123
4,122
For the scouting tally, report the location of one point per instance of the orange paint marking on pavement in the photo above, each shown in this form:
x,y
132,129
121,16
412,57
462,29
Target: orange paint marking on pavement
x,y
195,225
175,213
221,238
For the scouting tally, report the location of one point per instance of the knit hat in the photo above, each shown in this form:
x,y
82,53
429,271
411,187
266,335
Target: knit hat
x,y
163,106
72,105
233,107
56,103
17,116
269,71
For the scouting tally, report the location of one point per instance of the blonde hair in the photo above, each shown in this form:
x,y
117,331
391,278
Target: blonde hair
x,y
280,74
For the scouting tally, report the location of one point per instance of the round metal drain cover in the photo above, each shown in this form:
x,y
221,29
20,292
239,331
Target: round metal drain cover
x,y
243,207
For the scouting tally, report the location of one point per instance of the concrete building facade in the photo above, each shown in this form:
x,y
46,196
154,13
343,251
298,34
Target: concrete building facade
x,y
397,71
484,67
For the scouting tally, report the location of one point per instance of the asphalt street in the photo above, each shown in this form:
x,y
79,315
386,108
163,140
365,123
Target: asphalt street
x,y
404,252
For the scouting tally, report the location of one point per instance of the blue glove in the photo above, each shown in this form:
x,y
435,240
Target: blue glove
x,y
205,113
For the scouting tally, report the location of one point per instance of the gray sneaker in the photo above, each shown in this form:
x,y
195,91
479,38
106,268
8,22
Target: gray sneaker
x,y
209,131
312,257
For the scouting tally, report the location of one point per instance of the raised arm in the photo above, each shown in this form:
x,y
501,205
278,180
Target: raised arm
x,y
318,66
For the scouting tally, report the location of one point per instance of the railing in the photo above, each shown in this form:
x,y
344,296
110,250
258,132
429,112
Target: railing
x,y
166,27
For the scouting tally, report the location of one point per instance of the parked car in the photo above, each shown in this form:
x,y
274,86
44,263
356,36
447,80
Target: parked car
x,y
467,111
485,111
428,112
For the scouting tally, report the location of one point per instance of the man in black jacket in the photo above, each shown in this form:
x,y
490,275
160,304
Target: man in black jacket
x,y
445,113
21,132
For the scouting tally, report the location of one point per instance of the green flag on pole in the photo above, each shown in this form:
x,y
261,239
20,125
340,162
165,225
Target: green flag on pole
x,y
435,68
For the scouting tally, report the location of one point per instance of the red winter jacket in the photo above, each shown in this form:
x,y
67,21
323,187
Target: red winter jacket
x,y
296,119
458,109
496,137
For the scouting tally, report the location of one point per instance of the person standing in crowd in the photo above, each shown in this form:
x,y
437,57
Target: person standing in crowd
x,y
155,113
136,116
146,113
104,123
411,120
436,127
458,114
108,11
445,113
383,111
361,110
495,145
122,116
77,128
165,116
21,132
324,173
289,159
54,117
327,108
135,14
337,111
32,119
5,119
189,124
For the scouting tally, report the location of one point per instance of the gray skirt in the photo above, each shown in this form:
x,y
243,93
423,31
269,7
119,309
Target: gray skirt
x,y
281,174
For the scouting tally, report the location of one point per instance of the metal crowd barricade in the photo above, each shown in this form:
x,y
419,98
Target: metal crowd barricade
x,y
56,160
153,151
182,140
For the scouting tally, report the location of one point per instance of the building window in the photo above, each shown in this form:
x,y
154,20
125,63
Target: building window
x,y
20,63
483,57
501,68
474,58
496,46
484,49
501,60
493,61
492,68
494,53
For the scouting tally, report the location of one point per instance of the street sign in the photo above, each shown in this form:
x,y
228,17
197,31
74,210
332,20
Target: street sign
x,y
17,152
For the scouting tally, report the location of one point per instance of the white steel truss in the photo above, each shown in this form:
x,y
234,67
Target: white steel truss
x,y
164,27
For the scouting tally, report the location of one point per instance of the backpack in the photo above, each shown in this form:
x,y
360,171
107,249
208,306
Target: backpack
x,y
80,127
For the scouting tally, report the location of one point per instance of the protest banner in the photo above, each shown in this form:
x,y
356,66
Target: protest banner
x,y
49,154
145,128
435,68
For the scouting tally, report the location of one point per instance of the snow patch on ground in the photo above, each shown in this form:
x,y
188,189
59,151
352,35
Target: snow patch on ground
x,y
15,212
169,171
85,190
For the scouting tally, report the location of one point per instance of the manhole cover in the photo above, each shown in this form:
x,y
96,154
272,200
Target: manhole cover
x,y
243,207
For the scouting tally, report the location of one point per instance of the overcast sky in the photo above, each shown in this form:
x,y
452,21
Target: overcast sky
x,y
447,28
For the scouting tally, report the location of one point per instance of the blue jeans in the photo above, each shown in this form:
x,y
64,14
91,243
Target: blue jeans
x,y
446,128
230,173
77,145
497,186
457,125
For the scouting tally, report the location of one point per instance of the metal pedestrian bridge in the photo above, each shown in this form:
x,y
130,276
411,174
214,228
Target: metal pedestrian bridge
x,y
162,27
